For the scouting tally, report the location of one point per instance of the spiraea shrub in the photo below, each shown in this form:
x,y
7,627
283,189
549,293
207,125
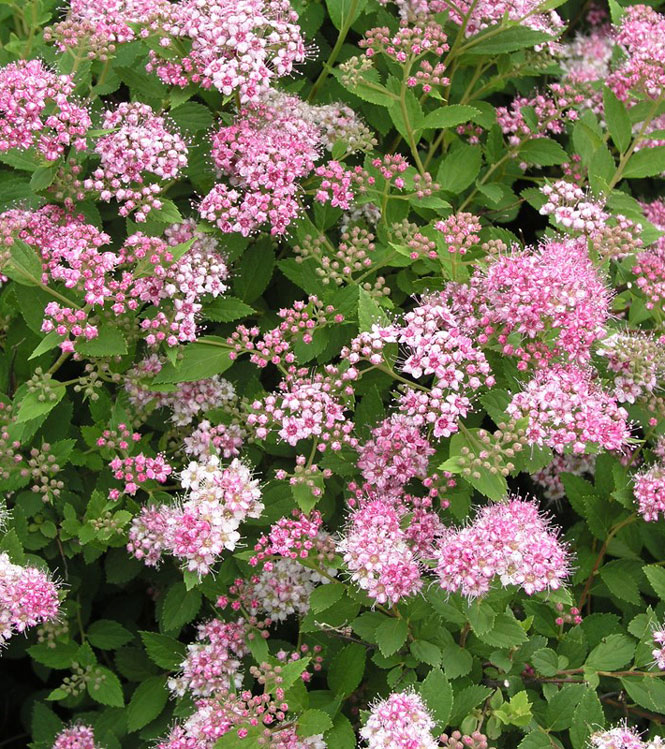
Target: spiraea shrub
x,y
331,376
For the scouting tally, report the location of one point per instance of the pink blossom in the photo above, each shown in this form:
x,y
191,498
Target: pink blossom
x,y
401,720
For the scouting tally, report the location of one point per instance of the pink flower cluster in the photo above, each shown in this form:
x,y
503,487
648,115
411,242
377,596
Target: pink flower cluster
x,y
224,439
401,720
637,361
36,110
28,596
649,489
459,232
79,736
587,57
549,478
659,652
510,541
293,538
136,470
622,737
264,154
142,152
376,552
572,208
213,662
566,408
198,530
233,45
641,36
284,588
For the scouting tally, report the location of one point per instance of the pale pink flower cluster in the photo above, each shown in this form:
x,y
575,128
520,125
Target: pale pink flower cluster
x,y
396,453
377,553
649,490
294,538
213,663
510,541
641,35
136,470
236,45
637,361
401,721
284,588
573,208
80,736
659,652
486,13
622,737
459,232
206,522
28,596
142,152
549,478
263,154
36,109
304,408
566,408
587,58
224,439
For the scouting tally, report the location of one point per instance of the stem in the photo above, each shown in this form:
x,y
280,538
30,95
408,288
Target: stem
x,y
327,66
407,123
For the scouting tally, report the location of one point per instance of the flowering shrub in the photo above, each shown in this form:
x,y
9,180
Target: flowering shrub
x,y
331,387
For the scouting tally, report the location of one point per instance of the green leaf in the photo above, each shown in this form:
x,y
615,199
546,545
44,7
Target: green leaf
x,y
107,634
509,40
109,342
204,358
24,265
347,669
60,657
537,739
167,213
192,116
147,702
426,652
588,718
344,12
646,691
618,122
516,712
613,652
438,694
619,576
545,661
180,607
562,705
649,162
465,700
460,168
104,687
166,652
226,309
369,311
32,407
506,633
254,271
43,177
324,596
656,577
450,116
45,724
341,735
313,722
542,152
391,635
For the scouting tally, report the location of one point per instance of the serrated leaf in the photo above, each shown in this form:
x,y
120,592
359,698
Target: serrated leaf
x,y
104,687
324,596
619,576
438,695
110,341
226,309
612,653
313,722
347,669
450,116
390,635
656,577
200,360
146,703
165,651
180,607
545,661
618,122
588,718
505,633
107,634
649,162
542,152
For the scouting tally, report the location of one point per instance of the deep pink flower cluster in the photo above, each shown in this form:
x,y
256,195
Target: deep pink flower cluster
x,y
396,453
199,529
459,232
36,109
79,736
28,596
263,154
649,269
142,152
293,538
649,491
136,470
641,35
236,45
399,721
510,541
535,292
566,408
376,552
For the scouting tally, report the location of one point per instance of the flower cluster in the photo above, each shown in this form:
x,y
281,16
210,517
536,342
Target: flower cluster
x,y
79,736
37,109
649,491
28,596
199,529
136,470
622,737
510,541
140,154
401,720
